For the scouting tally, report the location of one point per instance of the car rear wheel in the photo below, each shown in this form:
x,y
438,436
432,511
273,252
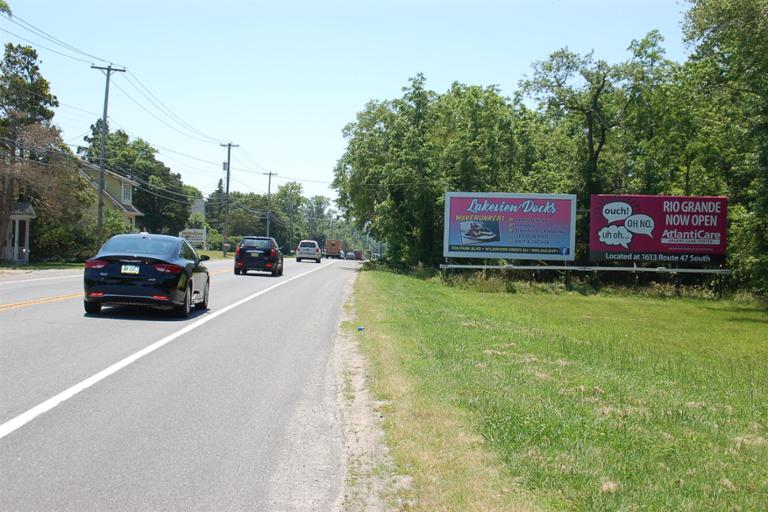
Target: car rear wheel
x,y
204,304
298,260
92,308
184,310
317,260
237,272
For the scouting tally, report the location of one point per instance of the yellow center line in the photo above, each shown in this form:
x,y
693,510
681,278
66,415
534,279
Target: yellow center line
x,y
15,305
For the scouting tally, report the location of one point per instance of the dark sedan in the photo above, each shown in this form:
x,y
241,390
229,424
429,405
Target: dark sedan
x,y
146,270
258,253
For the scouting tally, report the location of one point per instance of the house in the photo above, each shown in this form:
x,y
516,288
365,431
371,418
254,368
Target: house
x,y
16,248
118,195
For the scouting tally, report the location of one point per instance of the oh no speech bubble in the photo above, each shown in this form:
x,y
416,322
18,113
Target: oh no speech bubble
x,y
640,224
617,210
615,235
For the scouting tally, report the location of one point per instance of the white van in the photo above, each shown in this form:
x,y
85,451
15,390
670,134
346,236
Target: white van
x,y
308,250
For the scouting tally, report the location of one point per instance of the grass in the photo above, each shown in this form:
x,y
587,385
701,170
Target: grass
x,y
561,401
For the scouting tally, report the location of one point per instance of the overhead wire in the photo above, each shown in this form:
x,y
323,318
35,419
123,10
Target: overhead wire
x,y
43,46
148,95
142,107
167,110
41,33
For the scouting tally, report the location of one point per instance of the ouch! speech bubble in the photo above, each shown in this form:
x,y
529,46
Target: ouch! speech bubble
x,y
640,224
615,235
617,210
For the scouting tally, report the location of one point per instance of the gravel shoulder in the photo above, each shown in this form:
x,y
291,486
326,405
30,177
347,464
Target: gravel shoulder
x,y
370,481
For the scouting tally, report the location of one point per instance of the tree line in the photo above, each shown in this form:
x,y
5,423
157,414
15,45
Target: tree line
x,y
583,126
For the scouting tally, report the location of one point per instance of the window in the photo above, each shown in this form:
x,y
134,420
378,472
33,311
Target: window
x,y
138,246
256,243
127,193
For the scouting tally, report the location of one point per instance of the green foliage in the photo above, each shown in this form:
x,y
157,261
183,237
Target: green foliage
x,y
644,126
161,195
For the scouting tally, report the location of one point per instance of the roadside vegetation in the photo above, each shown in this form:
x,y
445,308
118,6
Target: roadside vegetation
x,y
555,400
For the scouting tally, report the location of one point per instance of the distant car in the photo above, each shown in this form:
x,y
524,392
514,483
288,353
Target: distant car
x,y
146,270
308,250
359,255
258,253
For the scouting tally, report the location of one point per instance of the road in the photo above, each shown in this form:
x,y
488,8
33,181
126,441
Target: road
x,y
234,408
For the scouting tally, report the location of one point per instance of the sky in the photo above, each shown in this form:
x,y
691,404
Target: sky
x,y
281,79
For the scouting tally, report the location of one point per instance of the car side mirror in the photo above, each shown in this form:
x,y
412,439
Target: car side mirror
x,y
204,257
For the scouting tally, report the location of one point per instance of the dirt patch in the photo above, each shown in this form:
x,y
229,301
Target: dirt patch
x,y
371,483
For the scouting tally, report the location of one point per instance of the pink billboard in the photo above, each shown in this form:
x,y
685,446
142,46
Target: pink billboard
x,y
658,229
509,226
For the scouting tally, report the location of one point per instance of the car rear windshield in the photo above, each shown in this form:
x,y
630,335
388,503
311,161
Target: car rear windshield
x,y
308,244
139,246
258,244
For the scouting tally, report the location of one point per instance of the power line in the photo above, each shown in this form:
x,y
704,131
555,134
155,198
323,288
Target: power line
x,y
162,106
43,46
142,107
41,33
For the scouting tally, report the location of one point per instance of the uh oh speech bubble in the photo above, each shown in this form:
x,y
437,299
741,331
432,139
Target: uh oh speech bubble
x,y
617,210
615,235
640,224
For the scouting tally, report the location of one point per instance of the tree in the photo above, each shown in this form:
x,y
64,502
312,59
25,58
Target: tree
x,y
573,85
161,195
32,156
731,42
4,8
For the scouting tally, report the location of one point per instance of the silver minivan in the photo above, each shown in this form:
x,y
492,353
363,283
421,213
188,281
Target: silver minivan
x,y
308,250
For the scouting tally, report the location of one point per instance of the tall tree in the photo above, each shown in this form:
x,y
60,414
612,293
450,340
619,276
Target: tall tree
x,y
25,132
573,85
731,44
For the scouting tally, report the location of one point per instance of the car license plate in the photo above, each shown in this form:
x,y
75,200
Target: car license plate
x,y
257,253
130,269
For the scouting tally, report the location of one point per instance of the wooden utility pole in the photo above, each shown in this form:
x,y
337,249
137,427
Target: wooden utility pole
x,y
229,147
269,196
104,131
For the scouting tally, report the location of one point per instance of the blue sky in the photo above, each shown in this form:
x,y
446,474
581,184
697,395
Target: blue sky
x,y
282,78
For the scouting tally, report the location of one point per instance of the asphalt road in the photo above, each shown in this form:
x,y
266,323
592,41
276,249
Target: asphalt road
x,y
234,408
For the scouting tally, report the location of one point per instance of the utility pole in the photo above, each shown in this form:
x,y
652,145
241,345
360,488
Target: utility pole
x,y
229,147
100,221
269,197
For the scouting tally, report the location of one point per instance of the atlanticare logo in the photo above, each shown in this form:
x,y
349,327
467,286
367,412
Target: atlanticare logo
x,y
695,237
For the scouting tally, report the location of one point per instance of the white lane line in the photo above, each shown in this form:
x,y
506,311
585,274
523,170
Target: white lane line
x,y
18,281
27,416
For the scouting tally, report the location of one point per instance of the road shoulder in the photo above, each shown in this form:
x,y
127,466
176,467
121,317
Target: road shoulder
x,y
370,481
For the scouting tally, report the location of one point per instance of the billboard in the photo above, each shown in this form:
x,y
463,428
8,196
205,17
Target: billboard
x,y
658,229
194,236
510,226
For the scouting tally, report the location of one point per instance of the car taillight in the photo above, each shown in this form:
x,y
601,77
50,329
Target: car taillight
x,y
237,251
167,268
272,253
91,264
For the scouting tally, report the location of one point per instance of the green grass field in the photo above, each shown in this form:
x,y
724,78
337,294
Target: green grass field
x,y
501,401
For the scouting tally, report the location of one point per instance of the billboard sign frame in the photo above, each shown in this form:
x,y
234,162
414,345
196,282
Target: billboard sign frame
x,y
498,225
630,228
